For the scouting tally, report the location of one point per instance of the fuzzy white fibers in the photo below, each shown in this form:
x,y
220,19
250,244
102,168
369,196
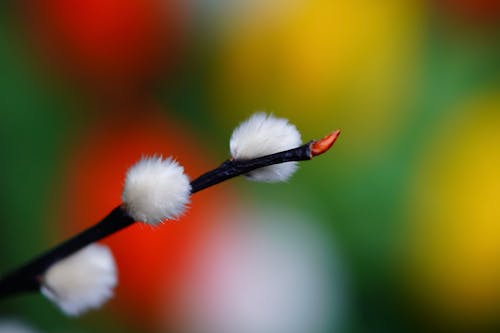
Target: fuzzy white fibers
x,y
155,190
261,135
82,281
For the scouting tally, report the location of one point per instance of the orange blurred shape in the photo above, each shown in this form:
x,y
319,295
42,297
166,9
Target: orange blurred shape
x,y
149,259
322,59
108,42
454,241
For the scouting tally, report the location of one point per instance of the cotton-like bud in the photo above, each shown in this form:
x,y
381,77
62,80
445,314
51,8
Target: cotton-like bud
x,y
155,190
82,281
261,135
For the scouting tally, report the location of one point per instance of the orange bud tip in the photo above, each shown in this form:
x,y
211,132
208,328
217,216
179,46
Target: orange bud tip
x,y
321,146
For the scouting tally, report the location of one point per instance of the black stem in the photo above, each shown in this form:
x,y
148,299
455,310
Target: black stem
x,y
233,168
28,277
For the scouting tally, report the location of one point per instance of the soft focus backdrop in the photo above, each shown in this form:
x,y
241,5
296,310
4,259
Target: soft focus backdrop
x,y
396,229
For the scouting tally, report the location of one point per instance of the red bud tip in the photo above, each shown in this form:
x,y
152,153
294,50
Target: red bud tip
x,y
321,146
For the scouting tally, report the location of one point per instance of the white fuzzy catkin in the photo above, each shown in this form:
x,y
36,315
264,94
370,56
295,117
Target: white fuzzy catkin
x,y
82,281
155,190
262,135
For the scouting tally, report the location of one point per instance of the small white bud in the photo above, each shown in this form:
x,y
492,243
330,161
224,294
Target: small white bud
x,y
81,281
155,190
262,135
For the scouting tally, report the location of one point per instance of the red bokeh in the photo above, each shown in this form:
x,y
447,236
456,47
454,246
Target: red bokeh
x,y
473,11
108,45
149,259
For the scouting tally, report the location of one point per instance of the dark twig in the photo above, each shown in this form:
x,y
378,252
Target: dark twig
x,y
28,277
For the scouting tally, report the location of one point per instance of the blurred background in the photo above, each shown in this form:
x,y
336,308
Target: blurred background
x,y
396,229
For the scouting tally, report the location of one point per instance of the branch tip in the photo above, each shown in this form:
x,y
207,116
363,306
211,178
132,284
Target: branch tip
x,y
321,146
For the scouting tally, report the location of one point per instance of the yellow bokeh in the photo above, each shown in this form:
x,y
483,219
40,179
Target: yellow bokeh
x,y
456,215
325,63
